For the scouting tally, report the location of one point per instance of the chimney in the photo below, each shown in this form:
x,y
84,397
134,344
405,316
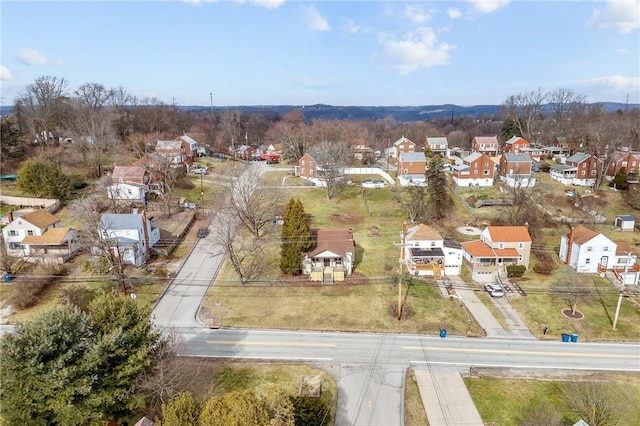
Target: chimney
x,y
10,216
145,230
569,246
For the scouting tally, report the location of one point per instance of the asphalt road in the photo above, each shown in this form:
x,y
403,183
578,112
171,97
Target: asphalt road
x,y
370,368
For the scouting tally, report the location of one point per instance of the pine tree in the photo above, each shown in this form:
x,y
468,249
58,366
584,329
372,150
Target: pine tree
x,y
296,237
42,178
438,189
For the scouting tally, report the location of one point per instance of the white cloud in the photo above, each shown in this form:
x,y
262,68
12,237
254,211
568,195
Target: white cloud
x,y
620,15
316,21
419,49
33,57
350,27
616,83
417,14
488,6
454,13
269,4
5,75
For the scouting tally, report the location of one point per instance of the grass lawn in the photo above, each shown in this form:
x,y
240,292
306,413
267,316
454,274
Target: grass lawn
x,y
414,414
503,401
542,308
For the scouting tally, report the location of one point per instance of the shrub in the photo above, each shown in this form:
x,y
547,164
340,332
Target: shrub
x,y
185,183
516,271
545,264
76,295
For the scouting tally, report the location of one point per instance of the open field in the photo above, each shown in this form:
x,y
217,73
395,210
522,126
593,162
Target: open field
x,y
504,401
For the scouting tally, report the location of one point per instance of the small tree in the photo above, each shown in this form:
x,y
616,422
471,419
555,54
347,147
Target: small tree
x,y
42,178
296,237
620,180
183,410
572,288
438,189
598,404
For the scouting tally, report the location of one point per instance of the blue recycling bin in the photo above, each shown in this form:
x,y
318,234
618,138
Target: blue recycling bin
x,y
443,333
565,337
574,338
7,278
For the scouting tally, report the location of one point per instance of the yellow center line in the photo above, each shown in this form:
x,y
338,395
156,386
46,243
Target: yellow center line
x,y
233,342
514,352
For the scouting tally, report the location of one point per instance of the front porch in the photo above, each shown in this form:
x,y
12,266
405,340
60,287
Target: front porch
x,y
327,274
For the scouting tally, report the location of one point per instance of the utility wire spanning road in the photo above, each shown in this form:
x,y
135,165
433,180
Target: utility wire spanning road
x,y
369,368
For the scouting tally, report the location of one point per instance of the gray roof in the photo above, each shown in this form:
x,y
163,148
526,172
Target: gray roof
x,y
120,221
563,167
472,157
626,217
413,156
168,145
451,243
510,156
578,157
437,141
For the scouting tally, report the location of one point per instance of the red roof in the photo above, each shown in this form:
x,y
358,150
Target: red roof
x,y
509,234
338,241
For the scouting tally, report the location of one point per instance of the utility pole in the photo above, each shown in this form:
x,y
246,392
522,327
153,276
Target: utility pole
x,y
624,283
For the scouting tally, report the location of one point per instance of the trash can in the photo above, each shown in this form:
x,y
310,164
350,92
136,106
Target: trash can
x,y
565,337
443,333
574,338
7,278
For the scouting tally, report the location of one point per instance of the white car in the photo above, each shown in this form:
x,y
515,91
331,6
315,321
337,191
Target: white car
x,y
495,290
199,171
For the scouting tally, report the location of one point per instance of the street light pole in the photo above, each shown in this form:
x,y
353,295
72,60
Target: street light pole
x,y
624,283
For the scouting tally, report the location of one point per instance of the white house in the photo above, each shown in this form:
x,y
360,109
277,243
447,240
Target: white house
x,y
129,183
30,224
438,146
332,256
130,237
425,253
587,251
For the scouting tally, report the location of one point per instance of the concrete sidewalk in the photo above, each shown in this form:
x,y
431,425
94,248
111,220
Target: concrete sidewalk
x,y
446,399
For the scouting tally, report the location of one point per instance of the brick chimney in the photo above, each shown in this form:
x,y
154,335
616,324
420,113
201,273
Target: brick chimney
x,y
145,230
10,216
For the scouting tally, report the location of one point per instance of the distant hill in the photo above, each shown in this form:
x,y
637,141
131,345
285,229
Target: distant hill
x,y
398,113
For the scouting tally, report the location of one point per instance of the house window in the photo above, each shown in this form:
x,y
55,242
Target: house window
x,y
605,248
486,172
13,233
520,245
29,232
433,243
475,172
520,258
14,245
302,162
587,261
416,244
501,245
589,248
584,172
593,172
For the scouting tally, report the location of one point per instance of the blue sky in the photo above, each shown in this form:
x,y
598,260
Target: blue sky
x,y
274,52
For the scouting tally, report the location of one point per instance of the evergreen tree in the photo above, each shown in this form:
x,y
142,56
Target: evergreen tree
x,y
42,178
67,367
296,237
509,129
438,189
620,180
183,410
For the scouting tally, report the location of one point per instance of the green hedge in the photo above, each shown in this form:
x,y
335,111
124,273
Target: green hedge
x,y
516,271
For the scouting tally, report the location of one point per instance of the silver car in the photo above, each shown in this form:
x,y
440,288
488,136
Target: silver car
x,y
495,290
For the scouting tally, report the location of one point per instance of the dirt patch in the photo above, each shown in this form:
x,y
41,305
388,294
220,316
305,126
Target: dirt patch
x,y
310,386
347,218
577,315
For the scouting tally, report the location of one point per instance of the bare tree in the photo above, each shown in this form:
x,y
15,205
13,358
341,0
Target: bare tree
x,y
40,106
563,104
331,158
572,287
231,122
541,414
247,254
525,109
598,404
120,102
253,204
414,200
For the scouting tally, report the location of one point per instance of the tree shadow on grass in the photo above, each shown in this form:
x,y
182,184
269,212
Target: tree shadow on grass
x,y
604,305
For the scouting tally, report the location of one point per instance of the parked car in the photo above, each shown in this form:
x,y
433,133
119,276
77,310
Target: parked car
x,y
199,171
495,290
202,232
191,206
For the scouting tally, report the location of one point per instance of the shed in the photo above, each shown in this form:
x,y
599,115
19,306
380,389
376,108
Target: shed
x,y
626,222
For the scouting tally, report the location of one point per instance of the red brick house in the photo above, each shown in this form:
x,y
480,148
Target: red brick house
x,y
476,169
412,167
307,167
485,144
630,160
516,145
402,145
515,170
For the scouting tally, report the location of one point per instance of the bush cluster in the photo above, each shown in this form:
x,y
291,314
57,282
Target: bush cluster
x,y
516,271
